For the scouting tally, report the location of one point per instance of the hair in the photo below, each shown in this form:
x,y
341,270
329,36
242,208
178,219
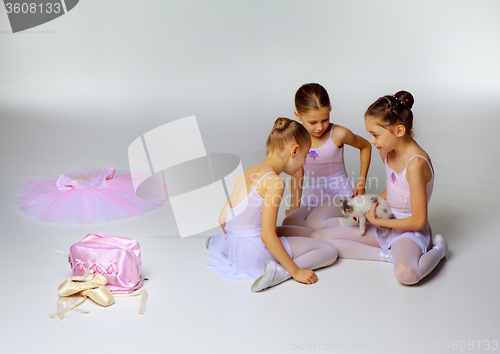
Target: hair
x,y
311,97
284,131
393,110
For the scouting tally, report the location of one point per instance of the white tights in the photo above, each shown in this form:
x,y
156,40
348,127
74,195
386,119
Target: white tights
x,y
315,218
308,253
410,265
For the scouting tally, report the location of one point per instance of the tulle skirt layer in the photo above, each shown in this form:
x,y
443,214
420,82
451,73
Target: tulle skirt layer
x,y
240,255
422,237
42,200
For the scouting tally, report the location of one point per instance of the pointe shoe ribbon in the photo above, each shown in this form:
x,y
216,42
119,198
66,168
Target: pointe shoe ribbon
x,y
75,290
144,298
66,304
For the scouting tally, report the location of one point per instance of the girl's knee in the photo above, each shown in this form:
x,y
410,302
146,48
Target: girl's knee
x,y
311,223
406,275
320,235
333,250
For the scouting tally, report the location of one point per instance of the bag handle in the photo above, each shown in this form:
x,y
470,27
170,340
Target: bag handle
x,y
96,234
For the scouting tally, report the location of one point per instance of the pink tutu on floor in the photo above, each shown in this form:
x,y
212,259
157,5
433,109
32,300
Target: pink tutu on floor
x,y
87,197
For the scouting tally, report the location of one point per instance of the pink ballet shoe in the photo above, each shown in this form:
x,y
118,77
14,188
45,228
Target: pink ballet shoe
x,y
78,284
75,290
101,295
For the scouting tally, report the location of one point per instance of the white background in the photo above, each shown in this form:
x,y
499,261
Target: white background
x,y
75,92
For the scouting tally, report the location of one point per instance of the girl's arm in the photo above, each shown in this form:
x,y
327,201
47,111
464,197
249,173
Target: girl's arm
x,y
417,175
296,181
272,201
343,135
222,216
384,195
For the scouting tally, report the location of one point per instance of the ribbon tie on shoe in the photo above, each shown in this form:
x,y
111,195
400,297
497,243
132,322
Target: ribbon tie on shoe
x,y
144,299
75,290
68,303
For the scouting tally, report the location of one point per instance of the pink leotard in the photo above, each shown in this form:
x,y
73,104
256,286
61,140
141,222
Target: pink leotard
x,y
398,189
240,252
398,198
325,173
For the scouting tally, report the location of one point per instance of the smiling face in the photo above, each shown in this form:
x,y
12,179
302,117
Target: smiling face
x,y
315,121
385,139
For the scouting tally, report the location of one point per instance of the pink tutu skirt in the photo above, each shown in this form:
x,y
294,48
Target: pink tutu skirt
x,y
85,197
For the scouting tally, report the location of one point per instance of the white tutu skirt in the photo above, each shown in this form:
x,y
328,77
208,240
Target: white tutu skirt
x,y
241,255
422,237
85,197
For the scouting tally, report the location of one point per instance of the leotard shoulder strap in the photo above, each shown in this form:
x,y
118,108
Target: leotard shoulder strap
x,y
428,163
254,189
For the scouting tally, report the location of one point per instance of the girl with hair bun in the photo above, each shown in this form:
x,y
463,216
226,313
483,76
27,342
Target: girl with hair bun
x,y
327,180
249,248
409,184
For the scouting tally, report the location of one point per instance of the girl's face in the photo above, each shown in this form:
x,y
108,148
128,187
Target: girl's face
x,y
316,121
385,139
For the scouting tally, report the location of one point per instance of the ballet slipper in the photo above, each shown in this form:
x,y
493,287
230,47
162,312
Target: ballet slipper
x,y
274,274
440,239
78,284
101,295
265,279
79,288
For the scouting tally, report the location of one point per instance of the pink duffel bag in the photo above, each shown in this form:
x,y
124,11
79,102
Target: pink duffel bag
x,y
118,259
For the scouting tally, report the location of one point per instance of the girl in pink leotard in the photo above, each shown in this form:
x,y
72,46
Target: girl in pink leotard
x,y
324,171
409,182
249,248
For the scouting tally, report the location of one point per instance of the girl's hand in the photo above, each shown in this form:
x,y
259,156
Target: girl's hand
x,y
371,216
305,276
359,189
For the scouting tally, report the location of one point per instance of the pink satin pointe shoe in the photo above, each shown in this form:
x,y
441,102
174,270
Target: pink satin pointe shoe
x,y
75,290
101,296
78,284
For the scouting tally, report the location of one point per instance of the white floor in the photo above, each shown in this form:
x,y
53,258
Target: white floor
x,y
356,305
75,93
